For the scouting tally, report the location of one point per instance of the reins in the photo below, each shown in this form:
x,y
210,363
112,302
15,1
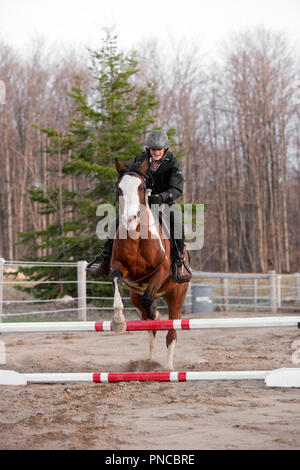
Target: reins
x,y
137,172
156,269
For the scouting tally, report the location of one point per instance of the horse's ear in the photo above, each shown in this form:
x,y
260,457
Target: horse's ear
x,y
144,166
119,166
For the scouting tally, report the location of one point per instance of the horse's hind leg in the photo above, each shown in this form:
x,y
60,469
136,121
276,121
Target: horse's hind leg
x,y
149,305
151,313
171,339
152,335
175,299
144,314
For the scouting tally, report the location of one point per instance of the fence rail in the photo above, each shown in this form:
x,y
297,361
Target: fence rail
x,y
231,291
275,291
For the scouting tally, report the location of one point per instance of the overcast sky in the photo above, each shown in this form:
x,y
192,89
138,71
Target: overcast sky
x,y
80,21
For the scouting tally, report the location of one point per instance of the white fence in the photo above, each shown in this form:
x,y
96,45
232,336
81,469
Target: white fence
x,y
8,277
250,292
253,291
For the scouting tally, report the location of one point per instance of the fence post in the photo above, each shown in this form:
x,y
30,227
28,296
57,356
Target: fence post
x,y
279,290
225,293
255,294
81,289
297,286
2,261
272,287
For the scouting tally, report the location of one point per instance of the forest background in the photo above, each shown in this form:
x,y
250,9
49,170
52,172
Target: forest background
x,y
235,126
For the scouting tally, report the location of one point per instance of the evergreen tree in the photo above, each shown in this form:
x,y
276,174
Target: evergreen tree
x,y
110,123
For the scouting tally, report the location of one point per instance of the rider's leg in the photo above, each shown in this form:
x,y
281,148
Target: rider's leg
x,y
177,234
105,256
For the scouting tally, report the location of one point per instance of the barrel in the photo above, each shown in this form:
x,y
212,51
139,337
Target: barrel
x,y
202,298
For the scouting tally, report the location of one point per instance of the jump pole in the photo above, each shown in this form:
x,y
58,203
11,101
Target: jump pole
x,y
184,324
285,377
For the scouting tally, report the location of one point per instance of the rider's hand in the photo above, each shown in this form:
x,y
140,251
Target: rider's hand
x,y
155,199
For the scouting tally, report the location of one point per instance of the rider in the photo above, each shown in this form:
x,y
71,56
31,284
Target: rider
x,y
166,181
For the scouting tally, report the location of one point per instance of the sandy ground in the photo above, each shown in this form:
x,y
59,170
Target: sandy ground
x,y
126,416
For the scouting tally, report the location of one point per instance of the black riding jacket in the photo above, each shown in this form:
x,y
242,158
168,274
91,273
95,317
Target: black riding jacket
x,y
167,180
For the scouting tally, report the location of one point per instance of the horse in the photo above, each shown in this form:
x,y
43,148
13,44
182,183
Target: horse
x,y
143,263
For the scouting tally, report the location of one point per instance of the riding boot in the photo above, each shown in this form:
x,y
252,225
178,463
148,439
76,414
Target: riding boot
x,y
181,272
104,258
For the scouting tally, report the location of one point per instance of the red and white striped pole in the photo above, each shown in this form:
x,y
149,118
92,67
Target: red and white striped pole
x,y
113,377
184,324
285,377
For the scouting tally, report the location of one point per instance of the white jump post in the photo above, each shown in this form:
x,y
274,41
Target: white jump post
x,y
2,261
272,287
81,289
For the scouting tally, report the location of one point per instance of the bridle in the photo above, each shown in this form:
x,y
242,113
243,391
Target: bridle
x,y
144,188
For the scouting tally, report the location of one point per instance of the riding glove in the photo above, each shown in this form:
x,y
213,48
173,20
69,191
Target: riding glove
x,y
155,199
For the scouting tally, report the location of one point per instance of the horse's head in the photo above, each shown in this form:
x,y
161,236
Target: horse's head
x,y
132,191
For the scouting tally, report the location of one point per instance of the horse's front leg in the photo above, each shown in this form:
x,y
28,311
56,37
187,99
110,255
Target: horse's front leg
x,y
118,321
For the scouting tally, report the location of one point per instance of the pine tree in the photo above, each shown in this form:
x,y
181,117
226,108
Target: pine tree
x,y
110,123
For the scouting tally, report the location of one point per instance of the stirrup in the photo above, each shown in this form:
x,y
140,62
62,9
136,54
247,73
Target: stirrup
x,y
94,260
104,265
176,265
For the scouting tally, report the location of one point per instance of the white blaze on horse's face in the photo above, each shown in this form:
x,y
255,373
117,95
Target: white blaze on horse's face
x,y
130,201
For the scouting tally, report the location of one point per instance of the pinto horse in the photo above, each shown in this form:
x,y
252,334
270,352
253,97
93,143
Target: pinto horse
x,y
143,263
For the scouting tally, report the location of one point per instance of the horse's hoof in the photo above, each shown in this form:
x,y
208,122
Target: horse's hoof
x,y
119,327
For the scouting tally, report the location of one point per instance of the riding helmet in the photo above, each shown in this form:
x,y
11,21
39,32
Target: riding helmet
x,y
157,140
